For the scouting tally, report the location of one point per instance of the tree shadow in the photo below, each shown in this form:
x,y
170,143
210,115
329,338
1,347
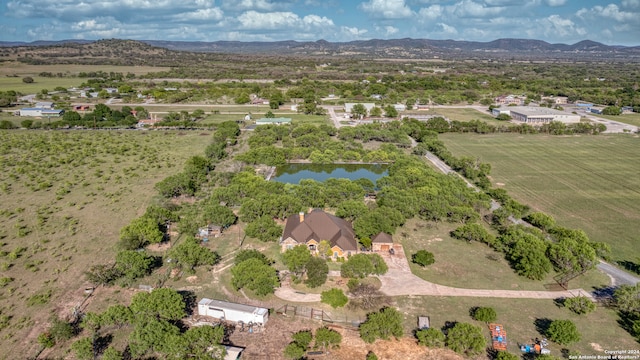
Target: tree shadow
x,y
604,294
447,326
190,301
630,266
542,325
101,343
559,302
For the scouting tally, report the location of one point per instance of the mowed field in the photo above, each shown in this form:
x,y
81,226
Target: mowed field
x,y
64,196
586,182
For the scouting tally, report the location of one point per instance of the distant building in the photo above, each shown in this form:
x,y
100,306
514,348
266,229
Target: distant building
x,y
400,107
40,112
348,107
273,121
510,100
44,105
558,100
627,109
541,115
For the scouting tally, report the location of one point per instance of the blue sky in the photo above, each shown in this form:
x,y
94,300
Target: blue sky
x,y
555,21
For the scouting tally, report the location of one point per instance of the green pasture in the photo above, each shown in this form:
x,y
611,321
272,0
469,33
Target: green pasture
x,y
631,119
21,69
64,196
464,114
473,265
585,182
599,329
39,83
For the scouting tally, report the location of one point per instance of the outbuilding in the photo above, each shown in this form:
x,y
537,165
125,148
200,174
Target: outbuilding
x,y
382,242
229,311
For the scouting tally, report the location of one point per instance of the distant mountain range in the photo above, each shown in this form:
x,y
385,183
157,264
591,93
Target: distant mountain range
x,y
397,48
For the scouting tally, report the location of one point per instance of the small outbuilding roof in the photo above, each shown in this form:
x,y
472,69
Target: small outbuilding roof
x,y
233,306
382,238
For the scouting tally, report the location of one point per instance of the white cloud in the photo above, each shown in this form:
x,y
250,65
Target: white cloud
x,y
268,21
556,26
555,3
387,30
387,9
352,32
430,13
201,14
470,8
447,29
317,21
632,4
611,11
242,5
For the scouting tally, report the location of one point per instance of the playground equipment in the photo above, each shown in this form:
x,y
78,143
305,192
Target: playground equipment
x,y
498,337
538,347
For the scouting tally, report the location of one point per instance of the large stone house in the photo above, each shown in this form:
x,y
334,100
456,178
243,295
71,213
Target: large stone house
x,y
313,227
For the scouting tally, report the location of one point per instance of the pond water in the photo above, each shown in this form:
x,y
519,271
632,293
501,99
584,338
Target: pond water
x,y
293,173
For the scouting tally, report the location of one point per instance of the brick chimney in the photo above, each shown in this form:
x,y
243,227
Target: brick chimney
x,y
301,213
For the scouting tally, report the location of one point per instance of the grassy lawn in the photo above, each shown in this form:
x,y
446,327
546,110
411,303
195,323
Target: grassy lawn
x,y
464,114
39,83
631,119
585,182
22,69
518,316
472,265
64,196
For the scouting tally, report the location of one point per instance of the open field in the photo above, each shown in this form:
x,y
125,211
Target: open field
x,y
631,119
39,83
518,316
585,182
63,198
464,114
22,69
473,265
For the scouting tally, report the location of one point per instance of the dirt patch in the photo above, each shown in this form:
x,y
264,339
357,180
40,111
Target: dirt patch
x,y
499,184
437,239
596,347
270,343
159,247
192,279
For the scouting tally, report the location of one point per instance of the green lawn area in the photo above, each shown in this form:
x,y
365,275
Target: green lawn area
x,y
464,114
585,182
631,119
16,84
473,265
599,329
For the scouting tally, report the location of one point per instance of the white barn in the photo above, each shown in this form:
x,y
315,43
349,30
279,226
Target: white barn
x,y
224,310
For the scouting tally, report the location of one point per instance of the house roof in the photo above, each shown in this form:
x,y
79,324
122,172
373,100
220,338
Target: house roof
x,y
319,225
382,238
233,306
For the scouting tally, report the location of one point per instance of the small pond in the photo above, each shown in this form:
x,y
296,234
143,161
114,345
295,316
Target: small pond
x,y
293,173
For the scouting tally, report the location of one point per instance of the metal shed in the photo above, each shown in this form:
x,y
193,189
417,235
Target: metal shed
x,y
233,312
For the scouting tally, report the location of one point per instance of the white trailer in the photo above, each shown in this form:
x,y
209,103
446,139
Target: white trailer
x,y
228,311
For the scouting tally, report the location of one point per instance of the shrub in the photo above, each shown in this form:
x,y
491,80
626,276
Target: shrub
x,y
485,314
27,80
334,297
466,338
563,332
580,305
432,337
423,258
